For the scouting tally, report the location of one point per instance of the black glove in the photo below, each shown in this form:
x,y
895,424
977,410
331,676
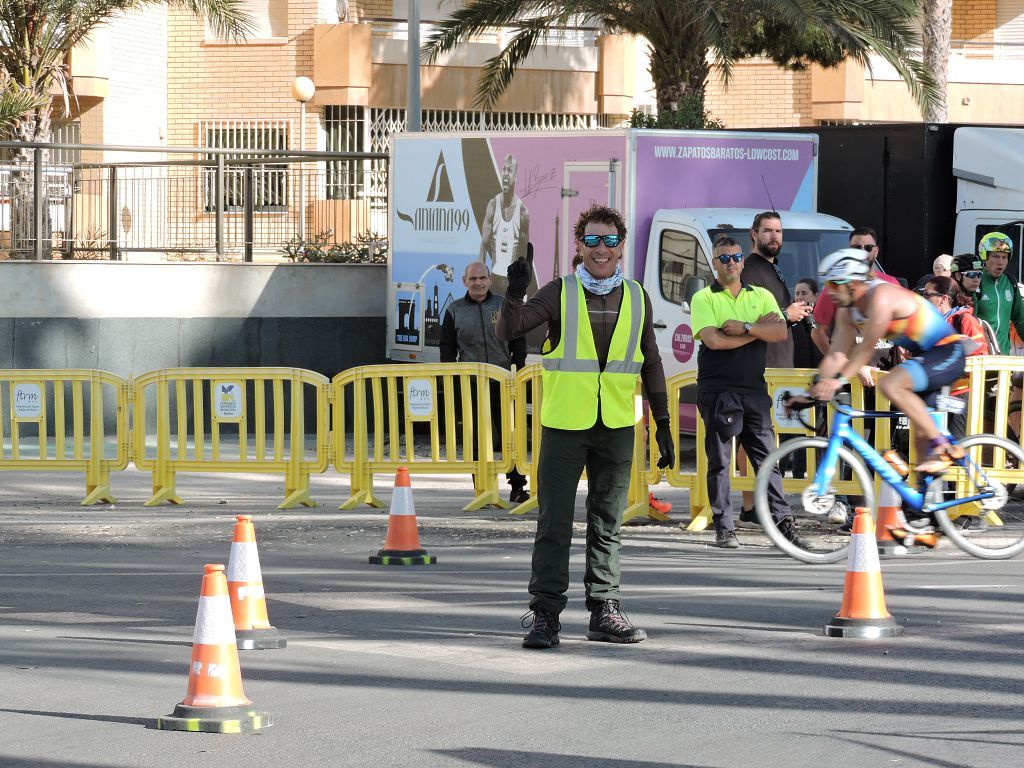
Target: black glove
x,y
518,278
663,436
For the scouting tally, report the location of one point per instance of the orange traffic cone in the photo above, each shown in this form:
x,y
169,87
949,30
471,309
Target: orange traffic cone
x,y
214,701
863,613
402,546
245,585
890,515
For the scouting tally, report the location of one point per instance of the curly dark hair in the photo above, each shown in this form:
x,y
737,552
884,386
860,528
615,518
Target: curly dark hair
x,y
603,215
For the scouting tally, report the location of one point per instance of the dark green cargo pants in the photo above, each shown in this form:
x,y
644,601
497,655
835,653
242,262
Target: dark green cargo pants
x,y
607,455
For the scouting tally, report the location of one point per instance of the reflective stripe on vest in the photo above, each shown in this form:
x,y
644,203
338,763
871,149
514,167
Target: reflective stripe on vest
x,y
573,380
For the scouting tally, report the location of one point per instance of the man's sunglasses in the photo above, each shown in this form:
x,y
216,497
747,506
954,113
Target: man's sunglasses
x,y
866,247
592,241
971,275
836,282
735,258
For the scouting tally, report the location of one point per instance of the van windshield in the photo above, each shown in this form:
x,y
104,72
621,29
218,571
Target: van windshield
x,y
802,249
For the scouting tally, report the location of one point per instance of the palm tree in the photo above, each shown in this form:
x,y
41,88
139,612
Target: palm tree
x,y
936,31
682,34
15,101
36,37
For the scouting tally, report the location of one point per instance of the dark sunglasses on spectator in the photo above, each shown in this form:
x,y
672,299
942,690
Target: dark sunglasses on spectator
x,y
931,294
725,258
592,241
865,247
973,275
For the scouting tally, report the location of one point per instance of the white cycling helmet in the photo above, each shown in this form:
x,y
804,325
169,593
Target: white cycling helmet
x,y
845,265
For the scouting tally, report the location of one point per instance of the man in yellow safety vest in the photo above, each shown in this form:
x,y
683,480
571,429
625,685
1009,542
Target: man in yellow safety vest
x,y
599,342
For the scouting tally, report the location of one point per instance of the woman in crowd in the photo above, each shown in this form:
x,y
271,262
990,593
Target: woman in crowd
x,y
945,293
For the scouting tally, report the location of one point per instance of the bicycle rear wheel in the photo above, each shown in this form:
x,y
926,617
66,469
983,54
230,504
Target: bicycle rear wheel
x,y
992,529
818,540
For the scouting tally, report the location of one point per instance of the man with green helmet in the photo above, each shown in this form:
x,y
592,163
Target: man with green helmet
x,y
996,299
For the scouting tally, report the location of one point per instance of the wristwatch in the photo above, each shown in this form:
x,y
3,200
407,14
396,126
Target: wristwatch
x,y
747,327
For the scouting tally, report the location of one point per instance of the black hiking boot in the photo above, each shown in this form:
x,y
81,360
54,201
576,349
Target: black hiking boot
x,y
543,627
609,624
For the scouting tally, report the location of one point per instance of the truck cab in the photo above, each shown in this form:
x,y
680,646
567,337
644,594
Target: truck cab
x,y
988,164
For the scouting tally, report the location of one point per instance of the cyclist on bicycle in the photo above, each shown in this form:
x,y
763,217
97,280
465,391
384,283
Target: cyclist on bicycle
x,y
870,310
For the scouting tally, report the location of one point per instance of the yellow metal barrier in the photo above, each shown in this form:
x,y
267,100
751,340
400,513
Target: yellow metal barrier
x,y
674,475
387,401
527,429
30,396
988,410
222,403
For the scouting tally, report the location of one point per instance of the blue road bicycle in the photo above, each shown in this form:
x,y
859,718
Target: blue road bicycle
x,y
969,500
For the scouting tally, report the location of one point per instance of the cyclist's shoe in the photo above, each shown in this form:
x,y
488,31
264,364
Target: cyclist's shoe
x,y
838,514
726,540
609,624
544,628
939,460
658,505
912,538
920,522
969,524
748,519
788,529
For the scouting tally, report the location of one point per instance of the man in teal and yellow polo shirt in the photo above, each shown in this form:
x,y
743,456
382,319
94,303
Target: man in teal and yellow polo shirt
x,y
735,323
600,340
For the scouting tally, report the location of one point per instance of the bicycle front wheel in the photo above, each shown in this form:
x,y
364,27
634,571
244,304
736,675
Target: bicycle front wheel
x,y
992,529
817,539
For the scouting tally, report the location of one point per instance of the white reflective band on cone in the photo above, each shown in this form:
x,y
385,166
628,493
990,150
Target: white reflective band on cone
x,y
863,554
214,624
244,562
401,502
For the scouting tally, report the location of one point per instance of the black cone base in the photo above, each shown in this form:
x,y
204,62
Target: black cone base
x,y
213,719
397,557
866,628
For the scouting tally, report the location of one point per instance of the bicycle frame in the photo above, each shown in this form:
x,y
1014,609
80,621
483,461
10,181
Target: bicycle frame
x,y
843,434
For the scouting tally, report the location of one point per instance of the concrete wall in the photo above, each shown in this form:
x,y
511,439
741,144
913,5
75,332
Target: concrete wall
x,y
132,318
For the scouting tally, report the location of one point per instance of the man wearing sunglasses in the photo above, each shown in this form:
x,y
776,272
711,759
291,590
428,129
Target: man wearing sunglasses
x,y
600,340
997,299
736,324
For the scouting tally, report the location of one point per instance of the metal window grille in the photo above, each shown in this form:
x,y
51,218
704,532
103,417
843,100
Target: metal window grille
x,y
346,132
384,122
270,179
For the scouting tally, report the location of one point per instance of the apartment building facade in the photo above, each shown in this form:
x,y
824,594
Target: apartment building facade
x,y
163,78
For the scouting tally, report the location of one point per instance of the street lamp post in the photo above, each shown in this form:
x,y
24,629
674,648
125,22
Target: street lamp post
x,y
302,91
412,112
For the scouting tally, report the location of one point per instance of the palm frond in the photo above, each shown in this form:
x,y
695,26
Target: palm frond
x,y
473,19
226,18
497,71
16,101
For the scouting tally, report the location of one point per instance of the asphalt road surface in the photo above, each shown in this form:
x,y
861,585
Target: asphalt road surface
x,y
423,666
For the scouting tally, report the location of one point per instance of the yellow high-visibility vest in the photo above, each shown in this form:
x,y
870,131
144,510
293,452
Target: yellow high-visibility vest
x,y
573,380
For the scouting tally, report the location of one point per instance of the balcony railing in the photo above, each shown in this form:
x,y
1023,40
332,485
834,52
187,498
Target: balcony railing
x,y
217,203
